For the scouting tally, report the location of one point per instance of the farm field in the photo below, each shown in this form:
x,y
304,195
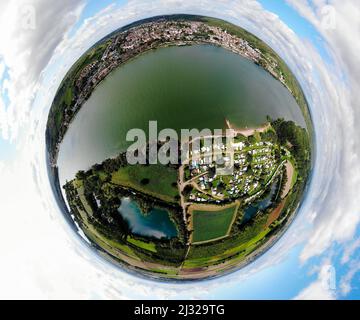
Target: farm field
x,y
212,253
142,244
212,224
155,180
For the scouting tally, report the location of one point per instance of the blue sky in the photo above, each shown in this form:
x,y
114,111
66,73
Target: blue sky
x,y
296,22
270,282
7,150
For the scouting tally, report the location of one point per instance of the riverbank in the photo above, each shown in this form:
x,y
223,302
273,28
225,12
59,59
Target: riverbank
x,y
247,132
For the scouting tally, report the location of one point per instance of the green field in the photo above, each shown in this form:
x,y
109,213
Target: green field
x,y
237,246
161,180
209,225
295,175
141,244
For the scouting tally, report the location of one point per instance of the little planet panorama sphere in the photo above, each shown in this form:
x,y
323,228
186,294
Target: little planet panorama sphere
x,y
180,147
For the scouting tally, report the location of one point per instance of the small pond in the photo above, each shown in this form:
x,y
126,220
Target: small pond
x,y
156,223
251,210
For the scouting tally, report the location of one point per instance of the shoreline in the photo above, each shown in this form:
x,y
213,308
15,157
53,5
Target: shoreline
x,y
247,132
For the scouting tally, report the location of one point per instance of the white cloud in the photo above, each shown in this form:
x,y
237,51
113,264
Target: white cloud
x,y
337,211
349,250
345,281
321,288
2,69
315,291
29,32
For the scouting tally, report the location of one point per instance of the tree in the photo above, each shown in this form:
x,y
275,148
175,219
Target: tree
x,y
221,186
145,181
187,190
81,175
